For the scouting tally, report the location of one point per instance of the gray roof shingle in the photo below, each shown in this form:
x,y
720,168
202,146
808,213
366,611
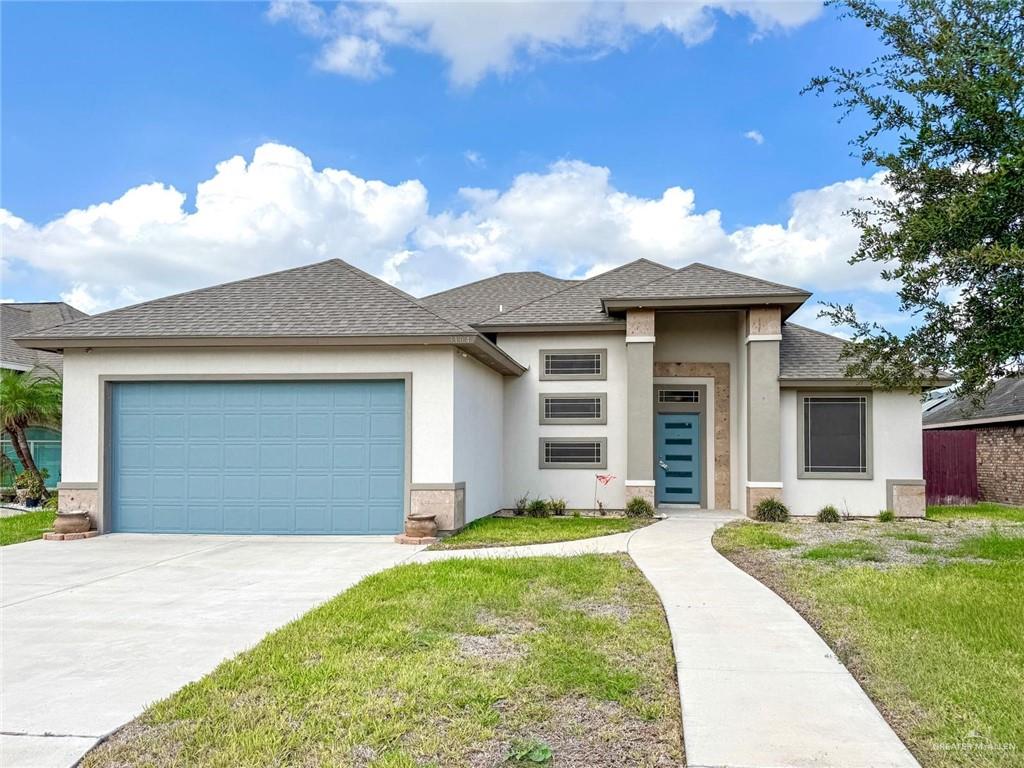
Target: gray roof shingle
x,y
485,298
18,319
580,303
327,299
702,281
808,354
1006,398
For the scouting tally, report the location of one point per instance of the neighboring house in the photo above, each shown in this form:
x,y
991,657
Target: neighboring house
x,y
17,320
998,427
323,400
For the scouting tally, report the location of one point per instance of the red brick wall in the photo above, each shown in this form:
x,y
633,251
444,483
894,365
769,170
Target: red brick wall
x,y
1001,463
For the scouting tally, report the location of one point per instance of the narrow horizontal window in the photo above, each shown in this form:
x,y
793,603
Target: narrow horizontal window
x,y
571,453
835,435
572,364
573,409
678,396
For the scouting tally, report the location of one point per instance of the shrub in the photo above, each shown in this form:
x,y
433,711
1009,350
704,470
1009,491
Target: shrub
x,y
600,509
886,516
519,506
829,514
576,513
538,508
32,483
771,510
638,506
51,503
557,506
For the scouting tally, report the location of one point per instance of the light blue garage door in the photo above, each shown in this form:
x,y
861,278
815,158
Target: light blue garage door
x,y
258,457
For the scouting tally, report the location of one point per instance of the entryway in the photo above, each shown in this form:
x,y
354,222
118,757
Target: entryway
x,y
677,459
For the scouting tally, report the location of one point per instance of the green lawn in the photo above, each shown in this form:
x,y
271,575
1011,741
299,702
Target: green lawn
x,y
753,536
513,531
454,663
984,510
937,646
31,525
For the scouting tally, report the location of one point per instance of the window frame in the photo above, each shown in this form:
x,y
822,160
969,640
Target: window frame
x,y
601,353
602,464
602,397
801,472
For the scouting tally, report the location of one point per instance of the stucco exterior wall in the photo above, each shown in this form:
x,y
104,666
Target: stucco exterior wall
x,y
896,455
479,429
523,430
432,391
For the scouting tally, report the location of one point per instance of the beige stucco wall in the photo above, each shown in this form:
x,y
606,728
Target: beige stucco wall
x,y
478,435
432,391
896,455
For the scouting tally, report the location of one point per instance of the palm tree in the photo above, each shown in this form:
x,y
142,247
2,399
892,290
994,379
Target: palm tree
x,y
30,399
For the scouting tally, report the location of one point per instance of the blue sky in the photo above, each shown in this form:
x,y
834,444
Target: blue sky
x,y
582,127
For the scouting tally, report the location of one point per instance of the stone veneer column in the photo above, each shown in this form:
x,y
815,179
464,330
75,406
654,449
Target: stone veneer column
x,y
445,500
640,404
764,466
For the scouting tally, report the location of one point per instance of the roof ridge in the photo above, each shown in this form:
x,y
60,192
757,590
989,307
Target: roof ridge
x,y
490,277
815,330
576,285
740,274
409,297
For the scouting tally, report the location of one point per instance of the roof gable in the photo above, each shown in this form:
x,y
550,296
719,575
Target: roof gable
x,y
698,281
327,299
580,303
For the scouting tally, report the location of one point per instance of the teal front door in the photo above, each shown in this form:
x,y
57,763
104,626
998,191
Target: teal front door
x,y
677,459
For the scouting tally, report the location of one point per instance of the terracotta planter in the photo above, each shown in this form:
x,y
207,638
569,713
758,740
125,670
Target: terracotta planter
x,y
72,522
421,526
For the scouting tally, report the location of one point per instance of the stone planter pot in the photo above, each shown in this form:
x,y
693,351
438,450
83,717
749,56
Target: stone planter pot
x,y
421,526
72,522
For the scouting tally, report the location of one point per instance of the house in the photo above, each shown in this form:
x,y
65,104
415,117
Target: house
x,y
17,319
998,431
323,400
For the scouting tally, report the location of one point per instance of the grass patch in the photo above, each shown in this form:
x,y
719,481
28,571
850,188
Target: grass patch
x,y
31,525
991,546
858,549
514,531
752,536
909,536
983,510
461,662
938,646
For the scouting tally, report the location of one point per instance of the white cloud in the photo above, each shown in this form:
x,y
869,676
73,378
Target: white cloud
x,y
354,56
474,158
277,211
477,39
755,136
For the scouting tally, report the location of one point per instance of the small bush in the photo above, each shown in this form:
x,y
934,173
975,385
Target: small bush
x,y
33,484
600,509
557,506
519,506
638,506
51,504
829,514
538,508
771,510
577,513
886,516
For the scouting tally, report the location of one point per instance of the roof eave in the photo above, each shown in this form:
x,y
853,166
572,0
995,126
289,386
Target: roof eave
x,y
790,302
792,382
610,326
975,422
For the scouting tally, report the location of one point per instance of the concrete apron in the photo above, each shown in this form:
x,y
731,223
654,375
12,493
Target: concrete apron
x,y
759,687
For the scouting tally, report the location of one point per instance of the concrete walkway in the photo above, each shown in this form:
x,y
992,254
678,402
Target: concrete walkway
x,y
759,687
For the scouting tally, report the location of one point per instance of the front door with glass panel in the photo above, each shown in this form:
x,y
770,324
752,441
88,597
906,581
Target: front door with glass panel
x,y
677,461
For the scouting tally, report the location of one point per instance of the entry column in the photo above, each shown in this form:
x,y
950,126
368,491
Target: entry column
x,y
640,404
764,468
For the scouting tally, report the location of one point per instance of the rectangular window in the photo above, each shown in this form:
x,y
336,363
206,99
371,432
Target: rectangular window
x,y
835,436
573,453
678,396
573,409
568,364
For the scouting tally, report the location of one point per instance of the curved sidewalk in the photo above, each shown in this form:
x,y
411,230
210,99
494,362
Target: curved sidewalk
x,y
759,687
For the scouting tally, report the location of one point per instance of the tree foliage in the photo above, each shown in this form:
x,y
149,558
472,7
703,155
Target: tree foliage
x,y
31,399
945,120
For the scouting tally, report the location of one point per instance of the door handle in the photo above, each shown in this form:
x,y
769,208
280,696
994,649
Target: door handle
x,y
662,464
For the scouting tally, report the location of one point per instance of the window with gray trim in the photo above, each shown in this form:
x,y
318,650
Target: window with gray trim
x,y
583,408
678,396
573,453
573,364
835,435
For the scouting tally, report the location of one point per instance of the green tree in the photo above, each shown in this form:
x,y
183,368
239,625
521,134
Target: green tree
x,y
31,399
945,119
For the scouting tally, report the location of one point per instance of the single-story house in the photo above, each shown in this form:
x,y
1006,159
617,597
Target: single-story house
x,y
998,427
16,319
323,400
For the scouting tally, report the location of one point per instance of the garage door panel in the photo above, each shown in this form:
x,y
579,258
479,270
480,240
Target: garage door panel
x,y
258,457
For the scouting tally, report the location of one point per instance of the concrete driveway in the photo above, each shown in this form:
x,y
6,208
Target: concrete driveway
x,y
95,630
